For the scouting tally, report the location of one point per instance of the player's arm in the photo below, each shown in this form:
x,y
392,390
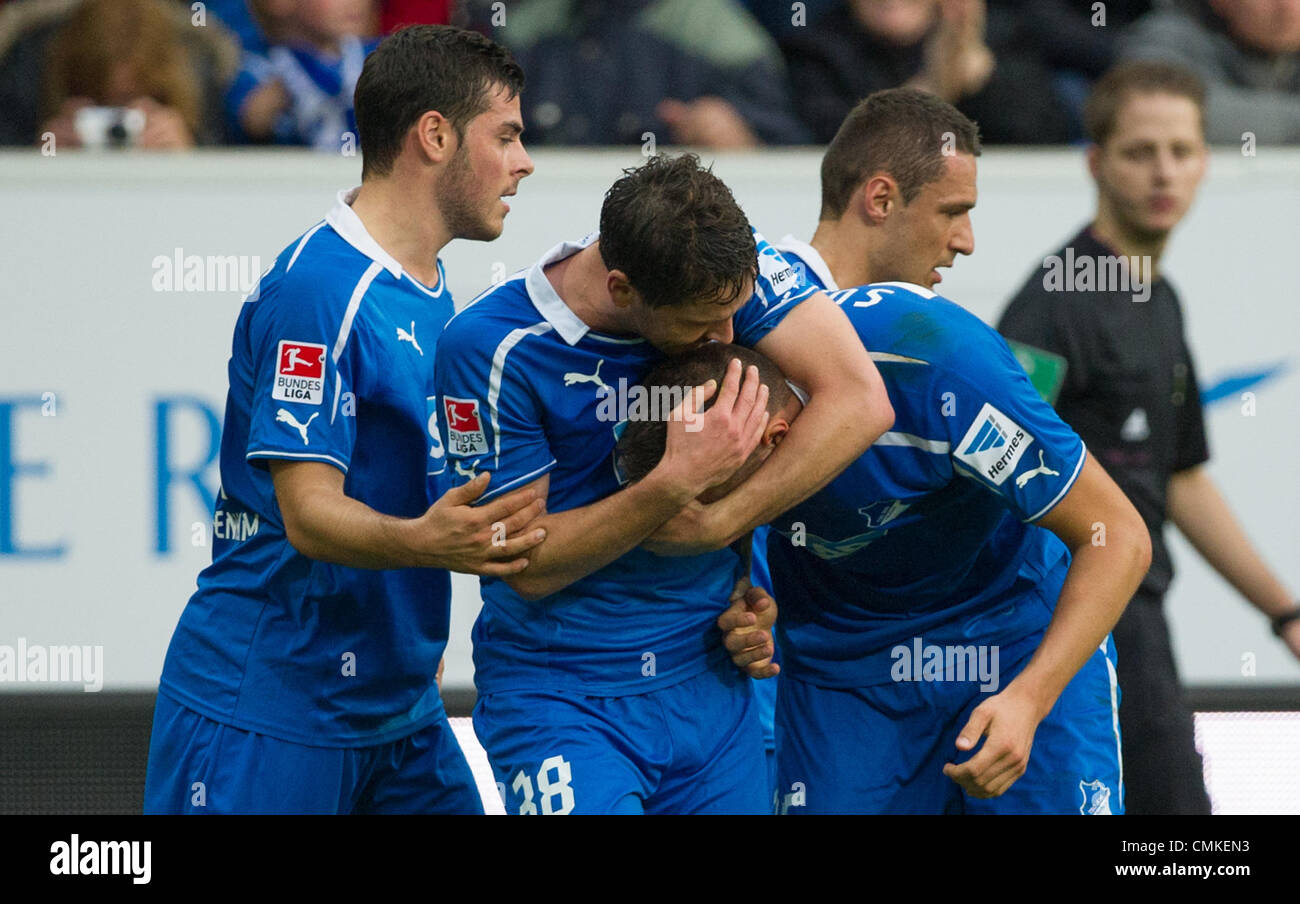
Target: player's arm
x,y
583,540
1199,510
325,524
1111,551
820,352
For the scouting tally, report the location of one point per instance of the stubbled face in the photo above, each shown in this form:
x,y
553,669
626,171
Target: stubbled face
x,y
929,233
675,328
1271,26
898,22
1148,171
487,166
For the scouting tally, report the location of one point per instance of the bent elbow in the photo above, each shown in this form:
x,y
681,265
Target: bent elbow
x,y
1142,548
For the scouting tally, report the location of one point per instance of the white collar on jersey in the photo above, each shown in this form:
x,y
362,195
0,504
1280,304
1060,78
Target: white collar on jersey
x,y
808,254
549,304
348,225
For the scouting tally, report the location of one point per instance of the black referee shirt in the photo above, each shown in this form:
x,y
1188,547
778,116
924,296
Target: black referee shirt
x,y
1130,388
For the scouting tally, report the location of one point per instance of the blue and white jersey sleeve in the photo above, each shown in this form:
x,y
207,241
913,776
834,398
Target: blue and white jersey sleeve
x,y
488,409
301,361
1002,434
778,289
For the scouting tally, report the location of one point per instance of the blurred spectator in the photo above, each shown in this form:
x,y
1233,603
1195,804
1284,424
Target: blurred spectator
x,y
1078,36
698,72
1077,40
936,45
238,16
300,91
395,14
780,16
111,71
1248,53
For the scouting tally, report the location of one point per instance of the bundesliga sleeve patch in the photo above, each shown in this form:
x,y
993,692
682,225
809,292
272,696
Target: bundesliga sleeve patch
x,y
465,434
993,445
299,373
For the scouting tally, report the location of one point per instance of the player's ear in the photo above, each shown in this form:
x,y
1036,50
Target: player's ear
x,y
621,290
777,428
877,198
434,136
1093,155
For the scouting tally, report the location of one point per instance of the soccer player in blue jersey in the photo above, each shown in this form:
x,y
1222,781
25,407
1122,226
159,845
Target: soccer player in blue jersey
x,y
301,677
603,685
946,600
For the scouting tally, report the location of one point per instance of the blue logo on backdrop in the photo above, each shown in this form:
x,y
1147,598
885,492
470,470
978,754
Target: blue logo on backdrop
x,y
12,470
170,413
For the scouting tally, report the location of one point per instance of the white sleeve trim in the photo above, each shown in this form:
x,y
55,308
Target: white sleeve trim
x,y
1065,489
313,456
497,491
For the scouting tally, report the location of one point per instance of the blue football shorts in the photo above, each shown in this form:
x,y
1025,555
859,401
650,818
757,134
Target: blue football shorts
x,y
882,749
197,765
693,747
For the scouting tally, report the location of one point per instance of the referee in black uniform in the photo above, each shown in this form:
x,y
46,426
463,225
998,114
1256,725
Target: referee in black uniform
x,y
1100,311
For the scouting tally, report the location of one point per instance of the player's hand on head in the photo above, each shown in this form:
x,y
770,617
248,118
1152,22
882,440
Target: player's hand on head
x,y
491,539
1007,722
703,449
746,626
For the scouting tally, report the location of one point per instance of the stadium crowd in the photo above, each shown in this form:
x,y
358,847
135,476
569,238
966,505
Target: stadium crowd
x,y
720,74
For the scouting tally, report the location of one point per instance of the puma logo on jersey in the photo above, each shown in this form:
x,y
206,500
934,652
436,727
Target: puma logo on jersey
x,y
1030,475
471,474
284,417
404,336
573,377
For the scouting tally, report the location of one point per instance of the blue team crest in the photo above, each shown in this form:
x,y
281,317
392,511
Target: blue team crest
x,y
1096,798
878,514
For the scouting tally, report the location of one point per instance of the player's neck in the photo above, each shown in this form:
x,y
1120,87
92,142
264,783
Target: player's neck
x,y
581,282
1110,231
412,232
843,253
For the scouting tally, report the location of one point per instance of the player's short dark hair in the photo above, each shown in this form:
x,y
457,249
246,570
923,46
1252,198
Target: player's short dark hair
x,y
677,232
423,68
904,132
1121,82
642,443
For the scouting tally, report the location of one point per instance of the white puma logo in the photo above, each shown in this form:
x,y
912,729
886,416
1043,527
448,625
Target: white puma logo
x,y
1030,475
284,417
470,473
404,336
573,377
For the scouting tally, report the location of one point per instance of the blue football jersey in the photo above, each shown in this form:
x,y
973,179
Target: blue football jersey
x,y
528,389
332,361
807,263
930,532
